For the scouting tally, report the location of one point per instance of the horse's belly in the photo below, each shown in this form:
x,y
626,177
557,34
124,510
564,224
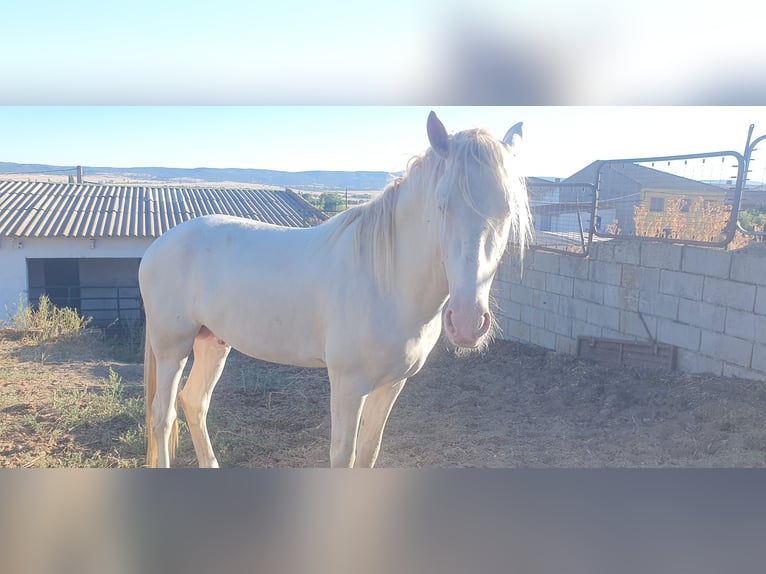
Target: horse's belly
x,y
281,354
276,338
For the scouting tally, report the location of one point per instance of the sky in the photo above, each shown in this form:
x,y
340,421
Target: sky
x,y
297,85
558,140
591,52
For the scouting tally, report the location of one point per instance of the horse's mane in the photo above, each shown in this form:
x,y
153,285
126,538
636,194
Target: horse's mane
x,y
374,223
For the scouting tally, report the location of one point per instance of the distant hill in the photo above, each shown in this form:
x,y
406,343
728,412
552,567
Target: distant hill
x,y
304,180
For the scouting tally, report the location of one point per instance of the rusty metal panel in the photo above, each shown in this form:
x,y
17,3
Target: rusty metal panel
x,y
628,353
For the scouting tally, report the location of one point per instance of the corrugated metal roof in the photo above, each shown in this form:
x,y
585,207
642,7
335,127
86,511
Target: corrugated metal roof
x,y
645,177
37,209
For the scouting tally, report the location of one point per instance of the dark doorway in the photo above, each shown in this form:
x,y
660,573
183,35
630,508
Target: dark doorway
x,y
104,289
60,281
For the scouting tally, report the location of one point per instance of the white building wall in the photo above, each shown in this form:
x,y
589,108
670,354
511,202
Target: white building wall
x,y
15,252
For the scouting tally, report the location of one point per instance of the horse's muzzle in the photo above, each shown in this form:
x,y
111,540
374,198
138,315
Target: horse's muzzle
x,y
466,329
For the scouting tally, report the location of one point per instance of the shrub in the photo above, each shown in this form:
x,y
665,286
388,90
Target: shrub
x,y
46,321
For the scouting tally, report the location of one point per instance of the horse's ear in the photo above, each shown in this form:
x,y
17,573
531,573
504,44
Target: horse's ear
x,y
513,136
437,135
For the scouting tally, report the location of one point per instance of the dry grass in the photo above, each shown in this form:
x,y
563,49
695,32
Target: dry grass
x,y
692,220
62,407
687,220
66,403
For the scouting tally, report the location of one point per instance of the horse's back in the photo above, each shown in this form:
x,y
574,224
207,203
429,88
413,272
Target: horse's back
x,y
252,284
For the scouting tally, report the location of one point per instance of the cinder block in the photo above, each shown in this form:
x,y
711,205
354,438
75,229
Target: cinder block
x,y
743,373
727,348
547,262
512,271
740,324
588,291
749,266
560,285
621,297
603,316
532,316
576,267
544,300
760,301
510,310
501,325
635,277
661,255
685,285
516,331
539,336
627,251
631,324
602,251
658,304
533,279
559,324
521,294
690,362
605,272
584,329
700,314
759,357
678,334
566,345
575,308
706,261
729,293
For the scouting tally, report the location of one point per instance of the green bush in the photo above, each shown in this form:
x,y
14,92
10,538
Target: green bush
x,y
46,322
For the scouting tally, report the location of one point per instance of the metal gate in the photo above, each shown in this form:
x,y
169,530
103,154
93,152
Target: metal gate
x,y
693,199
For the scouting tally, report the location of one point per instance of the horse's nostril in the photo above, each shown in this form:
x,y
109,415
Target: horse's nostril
x,y
448,320
486,323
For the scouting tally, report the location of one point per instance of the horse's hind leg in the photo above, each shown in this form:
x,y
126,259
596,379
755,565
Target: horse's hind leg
x,y
209,358
377,407
164,413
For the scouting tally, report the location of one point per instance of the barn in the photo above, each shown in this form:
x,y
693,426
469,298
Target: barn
x,y
81,244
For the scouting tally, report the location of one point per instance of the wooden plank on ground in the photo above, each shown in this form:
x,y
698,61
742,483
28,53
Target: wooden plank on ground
x,y
628,353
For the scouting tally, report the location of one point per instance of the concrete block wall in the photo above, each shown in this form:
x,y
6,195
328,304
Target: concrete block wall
x,y
709,303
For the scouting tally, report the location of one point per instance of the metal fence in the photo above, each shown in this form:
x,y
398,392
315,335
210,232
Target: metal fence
x,y
696,199
104,304
564,215
753,194
690,199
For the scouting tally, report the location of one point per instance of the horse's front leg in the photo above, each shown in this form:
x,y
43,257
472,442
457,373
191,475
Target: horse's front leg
x,y
375,413
347,397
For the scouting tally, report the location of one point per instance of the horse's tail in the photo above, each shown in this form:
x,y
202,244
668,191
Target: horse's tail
x,y
150,389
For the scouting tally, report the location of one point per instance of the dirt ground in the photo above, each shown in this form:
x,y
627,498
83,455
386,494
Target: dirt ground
x,y
514,406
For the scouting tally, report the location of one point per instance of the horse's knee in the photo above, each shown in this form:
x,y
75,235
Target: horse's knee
x,y
163,419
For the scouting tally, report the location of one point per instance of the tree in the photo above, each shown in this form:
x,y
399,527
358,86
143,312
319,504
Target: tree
x,y
331,202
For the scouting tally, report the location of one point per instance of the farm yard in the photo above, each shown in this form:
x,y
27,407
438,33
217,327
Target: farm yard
x,y
70,403
77,401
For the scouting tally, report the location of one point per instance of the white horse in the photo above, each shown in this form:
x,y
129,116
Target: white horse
x,y
364,294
